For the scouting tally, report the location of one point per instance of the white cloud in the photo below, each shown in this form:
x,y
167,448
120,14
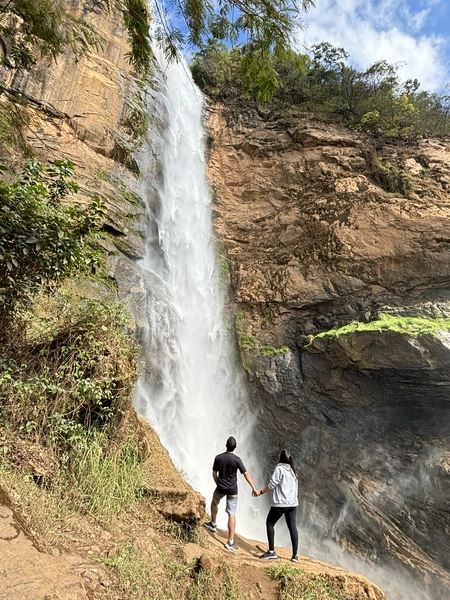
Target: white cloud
x,y
371,30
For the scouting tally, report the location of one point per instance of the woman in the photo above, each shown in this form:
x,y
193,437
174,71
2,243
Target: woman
x,y
284,484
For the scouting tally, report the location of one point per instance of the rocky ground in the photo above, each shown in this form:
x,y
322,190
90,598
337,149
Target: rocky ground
x,y
78,569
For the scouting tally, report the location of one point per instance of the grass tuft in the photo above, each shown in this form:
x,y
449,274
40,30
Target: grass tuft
x,y
106,479
141,574
219,584
295,584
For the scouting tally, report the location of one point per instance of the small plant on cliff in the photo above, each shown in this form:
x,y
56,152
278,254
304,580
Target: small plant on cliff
x,y
295,583
391,178
224,266
42,240
248,343
272,351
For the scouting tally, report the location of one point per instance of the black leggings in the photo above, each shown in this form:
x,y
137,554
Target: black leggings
x,y
275,514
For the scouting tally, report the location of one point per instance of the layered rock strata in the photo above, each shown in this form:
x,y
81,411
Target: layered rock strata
x,y
322,226
91,111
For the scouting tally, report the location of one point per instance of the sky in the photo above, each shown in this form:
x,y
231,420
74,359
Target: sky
x,y
414,32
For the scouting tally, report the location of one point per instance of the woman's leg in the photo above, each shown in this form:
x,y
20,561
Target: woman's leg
x,y
291,521
273,516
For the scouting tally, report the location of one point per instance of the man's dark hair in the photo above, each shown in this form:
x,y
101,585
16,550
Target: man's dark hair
x,y
231,444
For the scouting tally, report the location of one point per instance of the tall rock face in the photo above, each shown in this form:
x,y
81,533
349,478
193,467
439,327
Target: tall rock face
x,y
321,227
93,112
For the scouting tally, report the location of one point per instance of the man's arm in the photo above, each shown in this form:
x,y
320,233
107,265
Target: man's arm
x,y
249,480
215,476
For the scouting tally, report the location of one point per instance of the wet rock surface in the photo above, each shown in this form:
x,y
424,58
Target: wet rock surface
x,y
322,227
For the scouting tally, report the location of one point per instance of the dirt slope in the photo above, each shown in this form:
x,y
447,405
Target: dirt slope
x,y
257,584
77,561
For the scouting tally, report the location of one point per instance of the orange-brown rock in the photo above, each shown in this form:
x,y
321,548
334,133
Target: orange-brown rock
x,y
27,573
307,225
181,505
323,226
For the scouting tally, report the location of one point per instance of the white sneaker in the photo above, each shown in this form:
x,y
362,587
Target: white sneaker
x,y
231,546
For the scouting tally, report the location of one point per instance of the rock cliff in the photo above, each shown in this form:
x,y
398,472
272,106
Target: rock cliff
x,y
323,226
320,228
91,111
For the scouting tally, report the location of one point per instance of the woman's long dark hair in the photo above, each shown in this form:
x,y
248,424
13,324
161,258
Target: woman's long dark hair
x,y
285,457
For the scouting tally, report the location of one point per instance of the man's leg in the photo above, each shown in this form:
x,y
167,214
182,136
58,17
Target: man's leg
x,y
231,527
232,502
214,511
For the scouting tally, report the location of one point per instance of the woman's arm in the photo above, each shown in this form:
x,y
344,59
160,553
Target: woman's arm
x,y
274,481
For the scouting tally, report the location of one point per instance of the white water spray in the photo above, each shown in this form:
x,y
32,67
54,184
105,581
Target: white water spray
x,y
192,391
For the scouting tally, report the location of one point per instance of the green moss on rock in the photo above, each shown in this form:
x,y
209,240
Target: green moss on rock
x,y
410,326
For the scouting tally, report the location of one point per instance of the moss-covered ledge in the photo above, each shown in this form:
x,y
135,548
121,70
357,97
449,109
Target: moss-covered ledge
x,y
389,342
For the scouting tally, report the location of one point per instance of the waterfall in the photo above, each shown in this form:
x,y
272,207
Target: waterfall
x,y
192,391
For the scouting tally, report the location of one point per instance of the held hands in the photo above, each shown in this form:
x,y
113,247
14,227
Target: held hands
x,y
255,493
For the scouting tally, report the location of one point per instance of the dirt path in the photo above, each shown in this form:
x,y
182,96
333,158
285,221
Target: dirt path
x,y
26,573
256,582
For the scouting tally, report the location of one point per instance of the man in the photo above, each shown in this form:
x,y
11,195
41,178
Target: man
x,y
224,472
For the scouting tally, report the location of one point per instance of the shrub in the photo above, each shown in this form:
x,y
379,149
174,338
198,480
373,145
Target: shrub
x,y
42,241
71,376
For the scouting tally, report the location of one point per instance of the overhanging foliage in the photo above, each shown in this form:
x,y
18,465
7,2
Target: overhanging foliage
x,y
321,82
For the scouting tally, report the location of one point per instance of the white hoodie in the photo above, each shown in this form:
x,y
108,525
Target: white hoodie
x,y
284,484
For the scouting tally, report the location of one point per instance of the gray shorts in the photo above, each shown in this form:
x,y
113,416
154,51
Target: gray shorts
x,y
232,502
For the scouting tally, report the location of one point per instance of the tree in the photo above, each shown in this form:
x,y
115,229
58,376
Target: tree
x,y
42,241
46,27
263,30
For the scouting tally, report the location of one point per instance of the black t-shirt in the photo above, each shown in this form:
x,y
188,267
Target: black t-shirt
x,y
227,464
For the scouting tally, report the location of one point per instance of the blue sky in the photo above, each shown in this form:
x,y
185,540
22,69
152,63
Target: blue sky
x,y
416,32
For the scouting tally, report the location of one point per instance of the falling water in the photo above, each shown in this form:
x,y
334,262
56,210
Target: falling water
x,y
192,391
